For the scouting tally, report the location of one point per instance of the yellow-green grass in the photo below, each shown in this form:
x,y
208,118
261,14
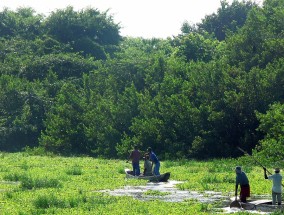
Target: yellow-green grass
x,y
71,185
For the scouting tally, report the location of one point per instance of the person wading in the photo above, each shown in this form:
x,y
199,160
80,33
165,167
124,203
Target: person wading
x,y
242,180
135,156
277,185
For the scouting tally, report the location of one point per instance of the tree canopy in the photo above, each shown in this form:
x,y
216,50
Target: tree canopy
x,y
70,84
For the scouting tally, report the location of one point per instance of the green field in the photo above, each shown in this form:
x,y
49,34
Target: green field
x,y
72,185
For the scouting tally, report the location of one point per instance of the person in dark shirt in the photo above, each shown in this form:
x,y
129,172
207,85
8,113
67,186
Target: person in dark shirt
x,y
155,161
242,180
135,157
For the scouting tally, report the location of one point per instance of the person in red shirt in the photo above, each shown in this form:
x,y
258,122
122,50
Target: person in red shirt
x,y
135,157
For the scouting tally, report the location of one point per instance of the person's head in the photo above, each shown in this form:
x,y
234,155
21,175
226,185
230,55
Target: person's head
x,y
238,169
149,149
136,147
276,170
146,157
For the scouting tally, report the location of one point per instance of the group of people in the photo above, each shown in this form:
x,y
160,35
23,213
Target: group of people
x,y
242,180
151,162
152,167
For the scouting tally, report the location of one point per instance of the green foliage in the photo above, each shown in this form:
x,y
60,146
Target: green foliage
x,y
228,20
64,128
271,123
49,189
88,31
70,84
23,23
255,44
22,112
29,182
63,65
75,170
196,47
16,176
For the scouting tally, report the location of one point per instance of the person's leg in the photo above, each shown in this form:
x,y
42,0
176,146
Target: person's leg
x,y
157,169
244,194
243,198
133,167
278,198
138,169
273,198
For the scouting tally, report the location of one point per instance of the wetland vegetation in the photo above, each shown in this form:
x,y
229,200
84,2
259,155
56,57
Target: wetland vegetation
x,y
32,184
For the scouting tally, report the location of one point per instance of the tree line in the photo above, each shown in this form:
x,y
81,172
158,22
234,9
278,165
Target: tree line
x,y
71,84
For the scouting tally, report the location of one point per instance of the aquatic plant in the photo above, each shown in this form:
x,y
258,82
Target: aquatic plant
x,y
33,184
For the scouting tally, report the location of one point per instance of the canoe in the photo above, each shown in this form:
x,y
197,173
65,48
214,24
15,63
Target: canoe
x,y
263,205
153,178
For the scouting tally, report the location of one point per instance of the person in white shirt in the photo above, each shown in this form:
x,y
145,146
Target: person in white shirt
x,y
277,185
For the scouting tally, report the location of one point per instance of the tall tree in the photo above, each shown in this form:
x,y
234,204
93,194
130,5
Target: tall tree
x,y
22,23
271,148
228,19
64,128
88,31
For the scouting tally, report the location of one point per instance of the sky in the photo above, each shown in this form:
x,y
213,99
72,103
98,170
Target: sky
x,y
137,18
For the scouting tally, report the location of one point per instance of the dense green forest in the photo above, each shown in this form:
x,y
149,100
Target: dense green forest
x,y
71,84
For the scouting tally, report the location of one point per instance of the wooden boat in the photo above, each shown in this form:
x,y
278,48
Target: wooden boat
x,y
153,178
263,205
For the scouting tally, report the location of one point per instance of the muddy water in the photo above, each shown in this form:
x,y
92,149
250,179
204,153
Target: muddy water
x,y
170,193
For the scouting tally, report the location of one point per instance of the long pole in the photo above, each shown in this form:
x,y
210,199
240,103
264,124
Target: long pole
x,y
255,161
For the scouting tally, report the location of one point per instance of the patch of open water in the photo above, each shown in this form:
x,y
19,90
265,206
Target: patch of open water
x,y
170,193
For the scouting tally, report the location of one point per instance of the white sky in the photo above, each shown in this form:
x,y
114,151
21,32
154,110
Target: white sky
x,y
138,18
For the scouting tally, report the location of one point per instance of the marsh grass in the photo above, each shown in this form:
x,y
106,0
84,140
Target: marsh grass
x,y
29,182
8,194
14,176
74,170
51,200
24,165
71,185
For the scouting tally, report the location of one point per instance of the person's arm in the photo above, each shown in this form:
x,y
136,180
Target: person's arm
x,y
265,174
130,157
236,191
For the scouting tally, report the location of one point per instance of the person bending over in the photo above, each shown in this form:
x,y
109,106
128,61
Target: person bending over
x,y
242,180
